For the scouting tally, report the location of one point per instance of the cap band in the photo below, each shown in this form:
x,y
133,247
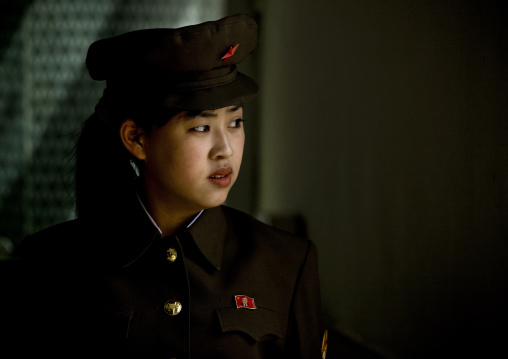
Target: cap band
x,y
198,85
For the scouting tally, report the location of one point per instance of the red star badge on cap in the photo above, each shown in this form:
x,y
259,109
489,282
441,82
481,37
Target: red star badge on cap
x,y
230,53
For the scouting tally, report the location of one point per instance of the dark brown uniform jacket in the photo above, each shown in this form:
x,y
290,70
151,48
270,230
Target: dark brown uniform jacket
x,y
99,288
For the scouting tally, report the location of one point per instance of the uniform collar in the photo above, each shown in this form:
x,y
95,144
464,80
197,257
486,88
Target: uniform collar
x,y
153,221
209,233
207,230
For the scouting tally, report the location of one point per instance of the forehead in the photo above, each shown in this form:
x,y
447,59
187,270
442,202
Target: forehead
x,y
212,113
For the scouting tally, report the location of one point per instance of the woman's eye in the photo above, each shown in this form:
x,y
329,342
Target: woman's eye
x,y
236,123
204,128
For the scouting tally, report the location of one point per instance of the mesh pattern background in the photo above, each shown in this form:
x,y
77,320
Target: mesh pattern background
x,y
46,93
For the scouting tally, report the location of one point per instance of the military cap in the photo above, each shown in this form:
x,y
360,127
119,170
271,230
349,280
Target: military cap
x,y
189,68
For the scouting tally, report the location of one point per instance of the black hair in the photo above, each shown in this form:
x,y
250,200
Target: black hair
x,y
104,175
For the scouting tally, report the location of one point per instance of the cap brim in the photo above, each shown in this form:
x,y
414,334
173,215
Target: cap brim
x,y
241,89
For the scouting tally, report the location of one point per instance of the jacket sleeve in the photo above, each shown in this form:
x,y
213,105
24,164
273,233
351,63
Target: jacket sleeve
x,y
305,329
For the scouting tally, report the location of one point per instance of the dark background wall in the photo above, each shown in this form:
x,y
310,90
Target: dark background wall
x,y
384,123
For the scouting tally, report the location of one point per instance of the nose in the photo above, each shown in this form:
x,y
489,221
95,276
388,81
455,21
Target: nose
x,y
221,145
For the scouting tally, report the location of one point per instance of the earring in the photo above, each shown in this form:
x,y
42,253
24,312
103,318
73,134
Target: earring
x,y
134,167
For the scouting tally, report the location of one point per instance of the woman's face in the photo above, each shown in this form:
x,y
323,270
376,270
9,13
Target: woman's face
x,y
192,163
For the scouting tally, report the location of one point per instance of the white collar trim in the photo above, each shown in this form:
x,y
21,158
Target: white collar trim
x,y
155,224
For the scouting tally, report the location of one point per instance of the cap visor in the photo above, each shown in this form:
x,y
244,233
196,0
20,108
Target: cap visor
x,y
237,92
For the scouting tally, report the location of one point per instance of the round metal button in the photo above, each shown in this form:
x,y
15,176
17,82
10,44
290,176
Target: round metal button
x,y
171,255
172,307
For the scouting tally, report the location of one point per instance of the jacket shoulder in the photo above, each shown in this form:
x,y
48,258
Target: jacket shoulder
x,y
254,223
279,240
51,240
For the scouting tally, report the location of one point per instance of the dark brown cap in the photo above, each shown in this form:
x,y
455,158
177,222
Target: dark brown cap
x,y
188,68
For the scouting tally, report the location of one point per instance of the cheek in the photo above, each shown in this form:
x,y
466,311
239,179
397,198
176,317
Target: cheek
x,y
239,143
190,161
163,160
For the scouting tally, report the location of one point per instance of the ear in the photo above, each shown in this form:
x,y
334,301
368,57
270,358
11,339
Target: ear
x,y
133,137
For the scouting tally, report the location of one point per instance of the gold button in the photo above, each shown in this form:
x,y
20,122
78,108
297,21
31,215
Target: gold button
x,y
171,255
172,307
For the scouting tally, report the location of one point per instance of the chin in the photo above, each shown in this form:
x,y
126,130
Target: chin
x,y
215,202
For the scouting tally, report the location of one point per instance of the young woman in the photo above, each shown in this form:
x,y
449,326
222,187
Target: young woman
x,y
155,265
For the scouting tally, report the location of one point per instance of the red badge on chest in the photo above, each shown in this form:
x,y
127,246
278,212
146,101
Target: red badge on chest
x,y
242,301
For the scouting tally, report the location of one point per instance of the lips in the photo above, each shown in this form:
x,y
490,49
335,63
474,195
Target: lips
x,y
221,177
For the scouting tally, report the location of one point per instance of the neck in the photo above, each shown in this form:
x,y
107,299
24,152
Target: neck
x,y
168,224
168,219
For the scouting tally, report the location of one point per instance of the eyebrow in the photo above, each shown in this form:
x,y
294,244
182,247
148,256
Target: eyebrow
x,y
209,113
